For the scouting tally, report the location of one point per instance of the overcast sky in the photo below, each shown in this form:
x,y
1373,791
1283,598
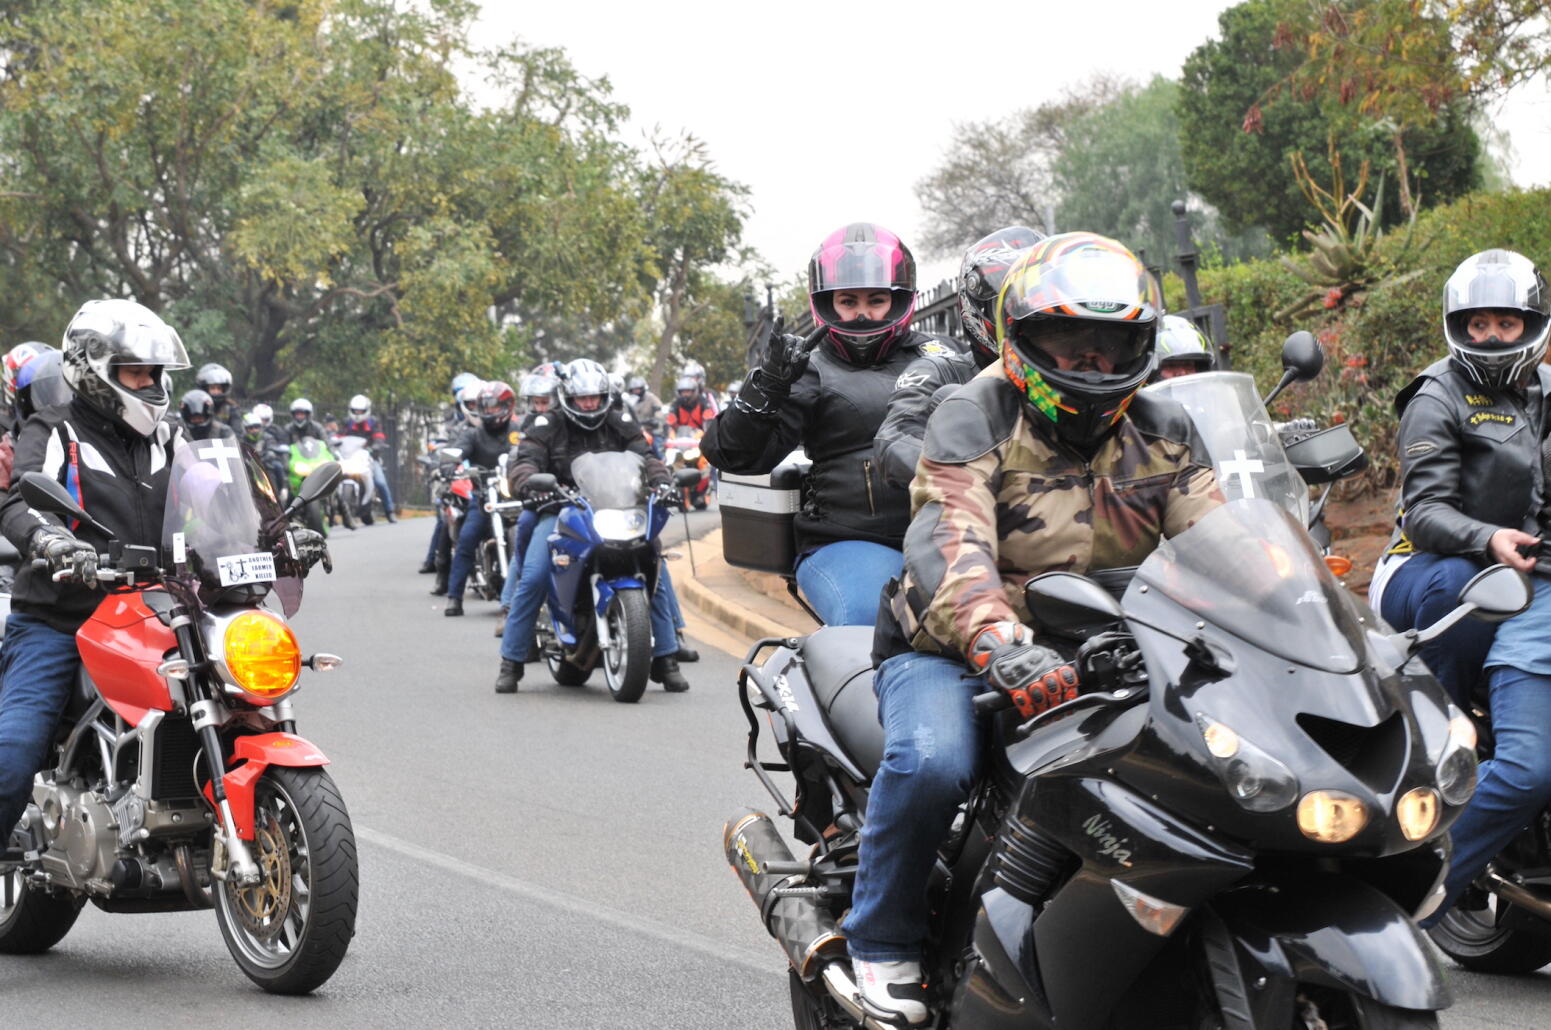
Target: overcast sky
x,y
831,112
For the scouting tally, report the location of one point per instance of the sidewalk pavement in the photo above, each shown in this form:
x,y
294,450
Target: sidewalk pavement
x,y
747,605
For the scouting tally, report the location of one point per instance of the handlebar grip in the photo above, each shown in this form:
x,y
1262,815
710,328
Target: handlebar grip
x,y
991,701
40,563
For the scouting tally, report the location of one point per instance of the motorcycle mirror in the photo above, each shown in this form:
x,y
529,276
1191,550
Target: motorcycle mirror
x,y
47,494
686,477
1302,360
1498,593
1492,595
1067,604
320,482
541,483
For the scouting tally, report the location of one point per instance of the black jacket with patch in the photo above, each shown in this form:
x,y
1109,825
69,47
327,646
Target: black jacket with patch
x,y
833,412
484,448
552,441
117,475
1470,461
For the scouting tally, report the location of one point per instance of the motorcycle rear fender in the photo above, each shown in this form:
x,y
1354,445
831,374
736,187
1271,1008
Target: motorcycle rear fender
x,y
1326,929
256,754
783,681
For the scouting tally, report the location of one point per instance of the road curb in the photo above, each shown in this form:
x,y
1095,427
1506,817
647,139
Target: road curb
x,y
730,615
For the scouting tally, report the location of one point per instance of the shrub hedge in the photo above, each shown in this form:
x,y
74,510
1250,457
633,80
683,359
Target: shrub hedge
x,y
1376,340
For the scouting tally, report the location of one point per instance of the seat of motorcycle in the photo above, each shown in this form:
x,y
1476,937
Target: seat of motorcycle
x,y
839,663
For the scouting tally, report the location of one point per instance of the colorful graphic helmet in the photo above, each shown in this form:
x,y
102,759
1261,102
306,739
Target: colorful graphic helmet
x,y
105,334
15,358
981,274
497,402
1181,345
1077,327
585,379
1496,280
862,256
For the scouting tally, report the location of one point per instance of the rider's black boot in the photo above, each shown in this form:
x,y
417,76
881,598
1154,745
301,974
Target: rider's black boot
x,y
507,679
665,670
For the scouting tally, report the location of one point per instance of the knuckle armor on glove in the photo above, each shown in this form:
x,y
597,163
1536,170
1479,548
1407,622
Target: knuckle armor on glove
x,y
1035,677
65,554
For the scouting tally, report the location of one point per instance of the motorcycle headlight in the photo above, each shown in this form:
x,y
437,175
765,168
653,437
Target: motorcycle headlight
x,y
619,523
1456,771
261,656
1256,781
1418,812
1330,816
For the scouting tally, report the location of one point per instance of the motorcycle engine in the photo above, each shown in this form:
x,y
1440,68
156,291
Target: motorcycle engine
x,y
79,831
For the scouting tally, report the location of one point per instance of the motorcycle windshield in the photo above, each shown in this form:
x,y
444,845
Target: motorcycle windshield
x,y
1249,568
349,446
309,448
609,479
1240,438
219,502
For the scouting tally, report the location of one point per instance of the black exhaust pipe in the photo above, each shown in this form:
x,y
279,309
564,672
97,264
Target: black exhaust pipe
x,y
789,909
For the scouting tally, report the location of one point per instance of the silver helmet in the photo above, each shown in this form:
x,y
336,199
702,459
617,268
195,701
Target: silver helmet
x,y
106,334
1496,280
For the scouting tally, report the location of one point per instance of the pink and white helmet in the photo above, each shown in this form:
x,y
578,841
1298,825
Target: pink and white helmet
x,y
863,256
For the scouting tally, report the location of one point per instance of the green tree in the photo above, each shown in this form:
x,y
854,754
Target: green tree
x,y
1240,126
306,188
1120,169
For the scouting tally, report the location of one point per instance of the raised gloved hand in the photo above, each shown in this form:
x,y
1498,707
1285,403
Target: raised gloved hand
x,y
68,559
786,355
1033,676
311,548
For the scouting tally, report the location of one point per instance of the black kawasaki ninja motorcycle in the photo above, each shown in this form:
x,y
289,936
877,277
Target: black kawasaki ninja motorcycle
x,y
1232,828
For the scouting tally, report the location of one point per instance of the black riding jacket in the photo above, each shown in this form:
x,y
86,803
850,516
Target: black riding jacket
x,y
833,412
552,441
482,447
1470,461
917,392
117,475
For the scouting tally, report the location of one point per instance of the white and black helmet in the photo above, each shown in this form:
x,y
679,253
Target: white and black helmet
x,y
1496,280
360,406
303,407
107,333
213,374
585,378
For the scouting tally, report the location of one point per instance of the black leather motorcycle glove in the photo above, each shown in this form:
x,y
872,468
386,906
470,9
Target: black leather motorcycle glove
x,y
1035,677
666,493
312,548
66,555
786,359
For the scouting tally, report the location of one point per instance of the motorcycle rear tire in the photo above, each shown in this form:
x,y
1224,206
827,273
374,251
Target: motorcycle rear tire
x,y
807,1012
31,920
628,663
1342,1010
306,809
1493,940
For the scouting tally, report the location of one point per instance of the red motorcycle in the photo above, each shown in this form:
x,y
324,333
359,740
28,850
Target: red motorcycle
x,y
177,779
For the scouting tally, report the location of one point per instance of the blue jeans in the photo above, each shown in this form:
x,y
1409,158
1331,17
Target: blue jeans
x,y
1423,590
1524,641
843,580
517,639
380,484
37,672
931,757
476,526
1514,785
525,523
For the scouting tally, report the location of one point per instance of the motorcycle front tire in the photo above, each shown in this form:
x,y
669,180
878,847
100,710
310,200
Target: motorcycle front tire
x,y
627,661
348,500
301,831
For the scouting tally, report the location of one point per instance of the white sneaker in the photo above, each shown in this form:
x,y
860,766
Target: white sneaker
x,y
894,992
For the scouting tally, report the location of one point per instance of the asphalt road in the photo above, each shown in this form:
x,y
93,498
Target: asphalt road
x,y
548,859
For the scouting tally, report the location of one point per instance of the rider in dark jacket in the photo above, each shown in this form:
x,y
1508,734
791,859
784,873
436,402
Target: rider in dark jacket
x,y
585,423
829,394
1474,493
929,381
482,447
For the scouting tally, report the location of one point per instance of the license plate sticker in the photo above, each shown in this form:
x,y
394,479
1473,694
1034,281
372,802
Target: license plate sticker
x,y
237,569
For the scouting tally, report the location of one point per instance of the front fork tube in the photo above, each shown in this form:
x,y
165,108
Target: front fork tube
x,y
204,714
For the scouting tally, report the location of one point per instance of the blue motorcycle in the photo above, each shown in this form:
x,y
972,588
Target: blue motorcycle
x,y
603,567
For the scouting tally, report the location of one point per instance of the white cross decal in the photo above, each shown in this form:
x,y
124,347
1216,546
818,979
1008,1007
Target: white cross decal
x,y
1242,467
218,452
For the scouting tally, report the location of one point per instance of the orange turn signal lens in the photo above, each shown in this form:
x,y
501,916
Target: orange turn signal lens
x,y
1338,565
262,655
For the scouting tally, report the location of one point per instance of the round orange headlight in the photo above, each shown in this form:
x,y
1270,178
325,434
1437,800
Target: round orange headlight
x,y
262,655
